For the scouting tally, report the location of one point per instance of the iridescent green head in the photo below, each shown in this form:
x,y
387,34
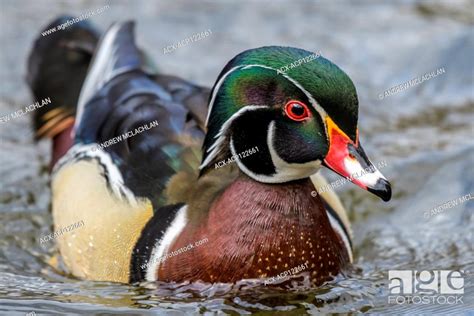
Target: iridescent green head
x,y
299,109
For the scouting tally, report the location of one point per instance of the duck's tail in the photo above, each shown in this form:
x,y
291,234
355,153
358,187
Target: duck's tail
x,y
116,54
114,76
57,66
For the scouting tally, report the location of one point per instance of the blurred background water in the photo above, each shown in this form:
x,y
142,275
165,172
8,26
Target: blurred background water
x,y
425,135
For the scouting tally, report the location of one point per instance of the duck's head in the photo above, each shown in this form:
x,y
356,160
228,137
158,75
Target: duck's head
x,y
299,109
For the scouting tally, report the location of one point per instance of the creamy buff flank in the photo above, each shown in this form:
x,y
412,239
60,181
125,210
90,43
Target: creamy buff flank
x,y
101,249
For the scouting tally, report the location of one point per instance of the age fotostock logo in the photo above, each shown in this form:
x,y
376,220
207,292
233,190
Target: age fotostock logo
x,y
425,287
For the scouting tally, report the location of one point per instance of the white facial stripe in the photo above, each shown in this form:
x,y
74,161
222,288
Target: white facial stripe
x,y
322,113
287,171
216,146
315,104
259,177
244,169
161,247
284,171
338,229
367,177
216,89
114,176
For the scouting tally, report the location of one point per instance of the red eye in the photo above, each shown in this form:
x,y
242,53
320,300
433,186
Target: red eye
x,y
297,111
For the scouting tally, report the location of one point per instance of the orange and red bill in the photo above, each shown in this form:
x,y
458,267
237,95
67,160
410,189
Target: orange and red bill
x,y
348,159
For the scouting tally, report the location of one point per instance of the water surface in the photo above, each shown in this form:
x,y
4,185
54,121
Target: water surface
x,y
425,135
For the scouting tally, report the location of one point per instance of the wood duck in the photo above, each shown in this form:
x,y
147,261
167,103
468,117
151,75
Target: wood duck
x,y
155,193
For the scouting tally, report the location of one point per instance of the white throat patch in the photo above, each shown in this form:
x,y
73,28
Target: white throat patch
x,y
288,171
217,145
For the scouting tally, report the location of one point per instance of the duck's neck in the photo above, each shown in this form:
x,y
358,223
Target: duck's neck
x,y
257,230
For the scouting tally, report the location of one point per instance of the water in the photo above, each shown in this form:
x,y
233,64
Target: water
x,y
425,135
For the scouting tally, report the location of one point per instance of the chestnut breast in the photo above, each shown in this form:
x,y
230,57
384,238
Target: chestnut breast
x,y
258,230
